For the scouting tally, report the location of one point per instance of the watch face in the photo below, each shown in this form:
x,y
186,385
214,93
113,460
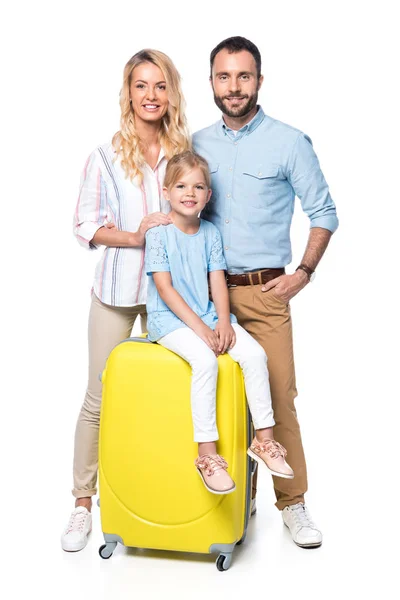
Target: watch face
x,y
312,277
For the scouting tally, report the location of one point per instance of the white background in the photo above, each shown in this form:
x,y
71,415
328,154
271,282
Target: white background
x,y
329,70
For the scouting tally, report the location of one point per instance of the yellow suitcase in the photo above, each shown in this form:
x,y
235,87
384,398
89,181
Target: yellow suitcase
x,y
151,495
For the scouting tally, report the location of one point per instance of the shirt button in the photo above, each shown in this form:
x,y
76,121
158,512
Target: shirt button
x,y
235,143
230,168
259,174
226,220
228,195
226,247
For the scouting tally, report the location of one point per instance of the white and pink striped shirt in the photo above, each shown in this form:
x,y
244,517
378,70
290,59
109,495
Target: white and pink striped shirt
x,y
107,195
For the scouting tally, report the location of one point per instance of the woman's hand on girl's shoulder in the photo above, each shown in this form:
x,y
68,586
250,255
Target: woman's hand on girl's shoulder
x,y
153,220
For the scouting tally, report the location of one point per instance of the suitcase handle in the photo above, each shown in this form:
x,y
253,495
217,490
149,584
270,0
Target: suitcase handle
x,y
130,339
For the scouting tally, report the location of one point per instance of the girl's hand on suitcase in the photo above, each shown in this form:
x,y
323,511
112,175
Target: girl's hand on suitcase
x,y
226,336
209,337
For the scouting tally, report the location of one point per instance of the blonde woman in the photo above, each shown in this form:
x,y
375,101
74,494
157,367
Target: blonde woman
x,y
120,199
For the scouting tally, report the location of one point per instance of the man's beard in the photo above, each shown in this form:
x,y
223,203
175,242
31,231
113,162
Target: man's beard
x,y
236,111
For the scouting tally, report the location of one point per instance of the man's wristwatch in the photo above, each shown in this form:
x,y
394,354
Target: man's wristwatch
x,y
310,272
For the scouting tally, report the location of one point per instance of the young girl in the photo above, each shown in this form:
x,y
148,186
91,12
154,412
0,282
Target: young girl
x,y
181,317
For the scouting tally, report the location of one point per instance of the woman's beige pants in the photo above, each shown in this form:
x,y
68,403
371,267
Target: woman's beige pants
x,y
108,325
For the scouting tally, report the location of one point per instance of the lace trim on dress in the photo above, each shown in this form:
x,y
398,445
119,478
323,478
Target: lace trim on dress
x,y
216,254
158,251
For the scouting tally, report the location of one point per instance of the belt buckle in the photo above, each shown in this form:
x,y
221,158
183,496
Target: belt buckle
x,y
229,285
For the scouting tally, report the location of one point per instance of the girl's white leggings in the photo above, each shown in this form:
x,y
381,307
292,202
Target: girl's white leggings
x,y
253,362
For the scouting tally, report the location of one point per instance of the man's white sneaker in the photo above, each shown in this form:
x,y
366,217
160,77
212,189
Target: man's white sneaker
x,y
75,536
304,533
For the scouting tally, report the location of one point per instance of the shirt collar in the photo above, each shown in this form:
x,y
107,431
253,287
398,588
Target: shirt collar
x,y
161,155
160,158
248,128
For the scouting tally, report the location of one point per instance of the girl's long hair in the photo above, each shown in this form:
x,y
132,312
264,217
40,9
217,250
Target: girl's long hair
x,y
174,134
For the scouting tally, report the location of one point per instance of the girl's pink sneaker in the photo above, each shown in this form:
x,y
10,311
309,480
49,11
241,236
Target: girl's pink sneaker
x,y
271,454
212,469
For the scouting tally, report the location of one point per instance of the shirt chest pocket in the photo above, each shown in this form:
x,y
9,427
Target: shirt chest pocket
x,y
260,184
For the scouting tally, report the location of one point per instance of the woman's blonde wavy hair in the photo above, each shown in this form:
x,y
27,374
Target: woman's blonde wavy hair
x,y
174,134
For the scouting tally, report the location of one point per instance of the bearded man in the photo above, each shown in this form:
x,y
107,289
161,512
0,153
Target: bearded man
x,y
258,165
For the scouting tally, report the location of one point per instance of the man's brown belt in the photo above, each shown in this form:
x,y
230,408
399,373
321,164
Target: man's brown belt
x,y
254,277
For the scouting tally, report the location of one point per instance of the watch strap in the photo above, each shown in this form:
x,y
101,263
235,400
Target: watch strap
x,y
306,270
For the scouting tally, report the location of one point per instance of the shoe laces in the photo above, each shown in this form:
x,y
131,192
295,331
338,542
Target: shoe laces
x,y
76,522
272,447
301,515
211,463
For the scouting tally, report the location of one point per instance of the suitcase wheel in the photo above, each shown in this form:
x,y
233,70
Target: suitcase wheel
x,y
224,562
105,551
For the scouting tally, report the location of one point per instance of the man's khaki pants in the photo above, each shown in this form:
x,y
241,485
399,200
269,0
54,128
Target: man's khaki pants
x,y
268,320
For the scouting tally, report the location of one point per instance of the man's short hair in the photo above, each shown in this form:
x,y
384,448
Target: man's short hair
x,y
237,44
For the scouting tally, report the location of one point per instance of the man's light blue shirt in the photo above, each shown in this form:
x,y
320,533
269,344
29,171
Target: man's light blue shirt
x,y
256,175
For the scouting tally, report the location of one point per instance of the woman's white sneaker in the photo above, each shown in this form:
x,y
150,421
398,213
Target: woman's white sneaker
x,y
304,532
75,536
